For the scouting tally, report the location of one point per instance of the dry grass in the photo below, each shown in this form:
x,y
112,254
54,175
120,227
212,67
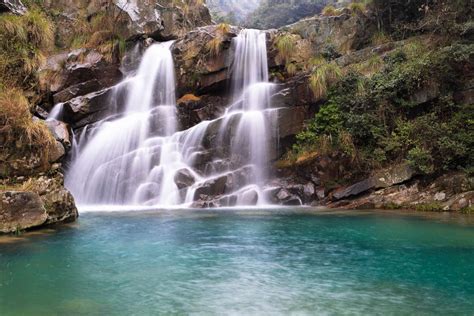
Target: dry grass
x,y
285,44
370,66
357,8
188,98
223,28
17,126
23,41
291,69
323,77
380,38
214,46
330,10
27,186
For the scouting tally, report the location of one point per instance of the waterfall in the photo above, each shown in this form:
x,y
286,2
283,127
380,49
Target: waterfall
x,y
140,158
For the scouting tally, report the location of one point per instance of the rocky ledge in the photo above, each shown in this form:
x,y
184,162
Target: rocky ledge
x,y
37,202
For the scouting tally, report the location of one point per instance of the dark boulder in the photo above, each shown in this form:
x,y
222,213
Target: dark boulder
x,y
184,179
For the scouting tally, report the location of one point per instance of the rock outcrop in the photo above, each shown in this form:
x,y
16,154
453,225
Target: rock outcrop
x,y
333,36
39,202
198,69
159,19
79,72
451,192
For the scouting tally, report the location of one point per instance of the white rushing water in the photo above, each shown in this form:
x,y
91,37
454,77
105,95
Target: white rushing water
x,y
140,158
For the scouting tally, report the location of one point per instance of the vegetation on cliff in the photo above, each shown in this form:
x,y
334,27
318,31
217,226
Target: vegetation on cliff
x,y
24,40
411,104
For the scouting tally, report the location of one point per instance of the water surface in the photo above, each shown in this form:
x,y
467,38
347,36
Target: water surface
x,y
242,262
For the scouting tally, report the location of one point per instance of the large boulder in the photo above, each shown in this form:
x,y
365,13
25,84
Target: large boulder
x,y
87,109
13,6
20,211
184,179
59,202
46,202
383,179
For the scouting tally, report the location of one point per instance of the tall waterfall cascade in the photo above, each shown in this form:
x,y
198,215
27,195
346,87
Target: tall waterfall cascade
x,y
138,157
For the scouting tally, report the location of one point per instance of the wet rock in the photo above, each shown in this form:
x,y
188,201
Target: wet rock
x,y
248,198
283,195
293,201
88,109
211,188
184,179
295,92
79,89
60,132
383,179
78,72
13,6
20,211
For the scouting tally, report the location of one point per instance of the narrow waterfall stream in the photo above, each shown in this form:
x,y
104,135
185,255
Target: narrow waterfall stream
x,y
140,158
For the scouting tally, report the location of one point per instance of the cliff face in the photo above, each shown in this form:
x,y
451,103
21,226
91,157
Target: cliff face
x,y
158,19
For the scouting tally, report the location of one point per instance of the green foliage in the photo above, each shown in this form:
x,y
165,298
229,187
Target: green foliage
x,y
429,207
386,119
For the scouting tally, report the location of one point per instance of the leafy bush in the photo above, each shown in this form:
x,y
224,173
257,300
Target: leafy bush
x,y
387,124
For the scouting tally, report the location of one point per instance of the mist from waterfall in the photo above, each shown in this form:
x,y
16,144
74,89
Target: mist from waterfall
x,y
139,158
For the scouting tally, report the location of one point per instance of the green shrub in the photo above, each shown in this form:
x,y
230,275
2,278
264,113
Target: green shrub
x,y
386,124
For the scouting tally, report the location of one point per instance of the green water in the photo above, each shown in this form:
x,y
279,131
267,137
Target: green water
x,y
242,263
